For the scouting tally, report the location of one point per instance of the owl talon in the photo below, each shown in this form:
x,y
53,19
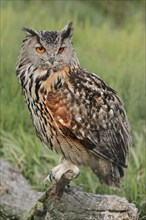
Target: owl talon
x,y
51,177
57,172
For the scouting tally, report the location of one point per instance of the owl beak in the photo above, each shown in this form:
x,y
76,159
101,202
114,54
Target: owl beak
x,y
51,60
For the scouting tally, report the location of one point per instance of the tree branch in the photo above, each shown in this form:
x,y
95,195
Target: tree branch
x,y
58,202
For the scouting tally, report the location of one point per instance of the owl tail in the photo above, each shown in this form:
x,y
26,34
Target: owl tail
x,y
108,173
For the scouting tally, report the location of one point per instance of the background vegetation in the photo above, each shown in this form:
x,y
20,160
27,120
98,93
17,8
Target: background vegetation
x,y
109,40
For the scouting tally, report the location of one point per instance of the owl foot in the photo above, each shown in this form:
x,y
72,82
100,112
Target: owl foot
x,y
57,172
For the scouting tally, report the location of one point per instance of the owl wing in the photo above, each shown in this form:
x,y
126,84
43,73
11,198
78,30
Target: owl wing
x,y
86,110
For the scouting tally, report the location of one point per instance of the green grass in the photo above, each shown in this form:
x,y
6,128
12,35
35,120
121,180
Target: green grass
x,y
115,52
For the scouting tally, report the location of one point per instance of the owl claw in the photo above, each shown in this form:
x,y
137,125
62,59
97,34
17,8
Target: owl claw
x,y
51,177
57,172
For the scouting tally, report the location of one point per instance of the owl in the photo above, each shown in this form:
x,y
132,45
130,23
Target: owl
x,y
74,112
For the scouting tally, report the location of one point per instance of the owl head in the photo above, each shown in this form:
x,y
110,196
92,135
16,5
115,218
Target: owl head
x,y
48,49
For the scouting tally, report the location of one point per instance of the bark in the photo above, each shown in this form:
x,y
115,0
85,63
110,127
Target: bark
x,y
16,196
58,202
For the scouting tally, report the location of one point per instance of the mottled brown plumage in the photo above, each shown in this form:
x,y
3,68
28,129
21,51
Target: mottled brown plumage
x,y
73,110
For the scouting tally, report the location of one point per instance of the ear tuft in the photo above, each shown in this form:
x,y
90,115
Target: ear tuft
x,y
29,31
67,32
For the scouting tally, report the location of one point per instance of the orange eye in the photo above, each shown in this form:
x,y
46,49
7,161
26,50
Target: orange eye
x,y
61,49
40,49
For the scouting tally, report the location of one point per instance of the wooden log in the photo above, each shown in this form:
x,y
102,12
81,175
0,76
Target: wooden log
x,y
16,196
58,202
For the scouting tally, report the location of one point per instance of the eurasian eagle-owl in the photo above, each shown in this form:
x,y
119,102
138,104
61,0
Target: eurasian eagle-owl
x,y
73,111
